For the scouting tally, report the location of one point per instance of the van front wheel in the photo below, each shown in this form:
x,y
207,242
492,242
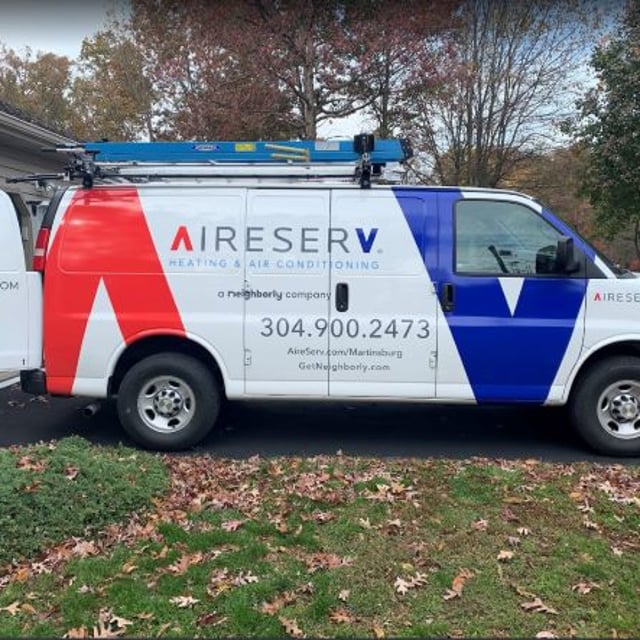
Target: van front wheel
x,y
605,406
168,402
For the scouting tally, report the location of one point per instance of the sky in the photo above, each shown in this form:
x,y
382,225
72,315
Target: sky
x,y
58,26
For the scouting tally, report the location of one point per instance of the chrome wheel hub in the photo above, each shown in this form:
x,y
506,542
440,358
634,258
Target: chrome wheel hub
x,y
166,404
619,409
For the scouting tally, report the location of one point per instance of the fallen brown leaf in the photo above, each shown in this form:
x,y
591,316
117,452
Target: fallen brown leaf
x,y
144,616
71,473
538,606
341,616
317,561
378,631
508,515
110,625
210,620
504,555
480,525
243,578
27,464
307,588
291,628
271,608
84,548
232,525
583,588
458,585
184,602
344,595
546,634
12,608
184,562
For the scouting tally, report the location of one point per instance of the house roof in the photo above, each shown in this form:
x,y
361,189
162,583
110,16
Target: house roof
x,y
13,118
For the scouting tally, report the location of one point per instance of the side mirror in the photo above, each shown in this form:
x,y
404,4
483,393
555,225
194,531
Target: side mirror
x,y
565,258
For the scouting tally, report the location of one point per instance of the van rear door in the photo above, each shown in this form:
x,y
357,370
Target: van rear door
x,y
20,295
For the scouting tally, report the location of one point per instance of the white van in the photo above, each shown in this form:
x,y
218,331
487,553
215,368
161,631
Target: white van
x,y
174,294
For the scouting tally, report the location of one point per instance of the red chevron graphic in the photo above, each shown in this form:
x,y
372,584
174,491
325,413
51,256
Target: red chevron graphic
x,y
104,234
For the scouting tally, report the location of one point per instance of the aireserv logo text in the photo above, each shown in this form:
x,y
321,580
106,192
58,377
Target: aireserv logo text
x,y
278,239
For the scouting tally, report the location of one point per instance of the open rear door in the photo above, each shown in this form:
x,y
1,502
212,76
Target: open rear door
x,y
20,295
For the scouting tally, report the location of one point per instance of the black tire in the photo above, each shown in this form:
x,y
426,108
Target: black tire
x,y
166,383
589,409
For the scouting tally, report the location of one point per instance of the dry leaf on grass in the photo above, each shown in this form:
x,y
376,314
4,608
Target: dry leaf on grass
x,y
108,626
271,608
232,525
13,608
458,585
84,548
307,588
538,606
27,464
341,616
403,585
504,555
185,561
583,588
344,595
378,631
291,627
210,620
480,525
590,524
547,634
317,561
243,578
508,515
71,473
184,602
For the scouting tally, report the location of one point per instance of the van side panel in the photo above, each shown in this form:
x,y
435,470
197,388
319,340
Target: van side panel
x,y
102,267
199,235
20,295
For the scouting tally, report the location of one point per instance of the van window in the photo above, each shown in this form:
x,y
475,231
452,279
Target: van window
x,y
503,238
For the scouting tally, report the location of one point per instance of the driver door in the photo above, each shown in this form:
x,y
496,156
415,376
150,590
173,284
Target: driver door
x,y
513,318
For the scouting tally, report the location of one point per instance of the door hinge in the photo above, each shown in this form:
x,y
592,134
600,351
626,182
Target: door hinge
x,y
433,359
247,357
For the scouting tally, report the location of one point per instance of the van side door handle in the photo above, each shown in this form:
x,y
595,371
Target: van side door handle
x,y
342,296
447,296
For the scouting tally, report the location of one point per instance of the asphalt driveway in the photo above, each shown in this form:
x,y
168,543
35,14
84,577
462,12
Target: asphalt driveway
x,y
306,429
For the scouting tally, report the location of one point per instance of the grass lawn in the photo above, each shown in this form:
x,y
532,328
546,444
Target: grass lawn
x,y
318,547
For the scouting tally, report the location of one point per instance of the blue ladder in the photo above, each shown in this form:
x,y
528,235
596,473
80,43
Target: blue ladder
x,y
305,151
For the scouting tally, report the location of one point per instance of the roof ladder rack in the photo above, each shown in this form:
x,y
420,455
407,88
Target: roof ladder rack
x,y
362,158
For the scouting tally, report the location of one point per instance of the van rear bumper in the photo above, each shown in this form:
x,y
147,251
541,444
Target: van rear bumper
x,y
33,381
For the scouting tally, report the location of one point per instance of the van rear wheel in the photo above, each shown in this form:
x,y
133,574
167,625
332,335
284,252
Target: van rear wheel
x,y
168,401
605,406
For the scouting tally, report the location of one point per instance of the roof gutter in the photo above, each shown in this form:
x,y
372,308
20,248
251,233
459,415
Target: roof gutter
x,y
32,131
